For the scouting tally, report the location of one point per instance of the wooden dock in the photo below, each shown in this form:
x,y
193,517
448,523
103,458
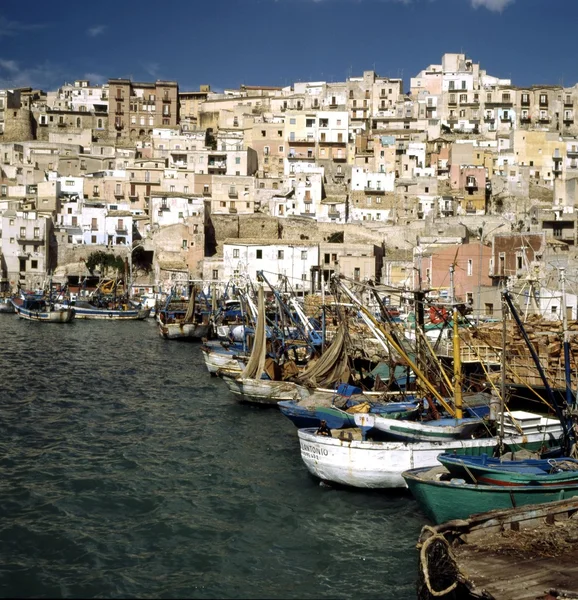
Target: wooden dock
x,y
517,554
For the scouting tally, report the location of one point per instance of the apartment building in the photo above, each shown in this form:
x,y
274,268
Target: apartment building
x,y
136,108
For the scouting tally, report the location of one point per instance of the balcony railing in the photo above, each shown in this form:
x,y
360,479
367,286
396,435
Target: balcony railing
x,y
233,194
121,230
119,194
525,120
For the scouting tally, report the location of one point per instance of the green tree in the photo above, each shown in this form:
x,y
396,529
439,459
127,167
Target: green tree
x,y
105,261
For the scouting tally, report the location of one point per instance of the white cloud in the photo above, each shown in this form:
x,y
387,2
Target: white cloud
x,y
95,78
152,68
96,30
493,5
10,28
8,65
44,76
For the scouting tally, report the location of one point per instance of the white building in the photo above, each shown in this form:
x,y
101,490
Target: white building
x,y
291,259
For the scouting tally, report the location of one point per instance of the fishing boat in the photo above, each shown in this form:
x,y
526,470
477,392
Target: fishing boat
x,y
443,497
37,308
220,355
180,320
113,312
263,380
309,412
6,305
348,459
502,471
426,431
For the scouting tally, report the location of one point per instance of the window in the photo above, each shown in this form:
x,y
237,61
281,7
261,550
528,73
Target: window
x,y
470,267
34,264
280,254
452,85
292,121
303,254
259,253
215,273
184,244
235,252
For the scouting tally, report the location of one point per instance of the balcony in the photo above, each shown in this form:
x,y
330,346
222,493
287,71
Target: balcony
x,y
95,194
206,193
339,159
133,196
471,185
217,165
525,120
119,98
339,175
370,190
27,238
166,99
489,119
301,156
119,195
61,124
573,153
233,194
544,120
505,119
300,141
121,230
334,214
118,126
119,112
568,120
333,104
232,210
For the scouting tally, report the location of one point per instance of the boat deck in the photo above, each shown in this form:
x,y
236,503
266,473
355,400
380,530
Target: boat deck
x,y
523,553
524,565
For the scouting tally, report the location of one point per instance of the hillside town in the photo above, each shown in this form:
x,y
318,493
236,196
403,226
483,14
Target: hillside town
x,y
368,177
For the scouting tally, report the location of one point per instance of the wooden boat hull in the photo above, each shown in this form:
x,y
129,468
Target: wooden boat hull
x,y
43,315
183,331
263,391
455,499
368,464
221,359
112,315
417,431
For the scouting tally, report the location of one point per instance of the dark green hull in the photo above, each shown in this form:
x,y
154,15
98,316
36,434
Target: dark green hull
x,y
445,501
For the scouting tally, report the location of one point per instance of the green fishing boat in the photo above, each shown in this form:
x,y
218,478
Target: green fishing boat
x,y
443,498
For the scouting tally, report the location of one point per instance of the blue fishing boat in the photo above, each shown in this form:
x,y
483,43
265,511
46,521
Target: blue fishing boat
x,y
500,471
310,413
38,308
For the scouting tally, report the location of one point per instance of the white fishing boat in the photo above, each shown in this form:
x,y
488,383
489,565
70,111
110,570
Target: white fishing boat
x,y
264,391
350,460
218,357
420,431
6,305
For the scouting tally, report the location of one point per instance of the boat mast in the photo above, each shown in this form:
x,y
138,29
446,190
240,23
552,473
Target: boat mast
x,y
568,435
458,398
503,369
570,398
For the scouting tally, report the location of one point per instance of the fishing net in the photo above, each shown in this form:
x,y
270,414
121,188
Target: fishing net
x,y
439,573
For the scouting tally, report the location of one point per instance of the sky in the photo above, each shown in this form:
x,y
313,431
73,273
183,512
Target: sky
x,y
278,42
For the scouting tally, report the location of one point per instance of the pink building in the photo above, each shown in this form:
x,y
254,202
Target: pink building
x,y
472,268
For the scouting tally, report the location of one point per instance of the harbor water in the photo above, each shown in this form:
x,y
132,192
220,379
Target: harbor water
x,y
127,471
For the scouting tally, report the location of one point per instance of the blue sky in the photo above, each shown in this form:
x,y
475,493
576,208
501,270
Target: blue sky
x,y
277,42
